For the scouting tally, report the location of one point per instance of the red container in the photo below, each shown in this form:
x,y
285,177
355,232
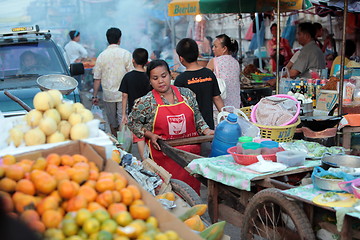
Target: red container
x,y
248,159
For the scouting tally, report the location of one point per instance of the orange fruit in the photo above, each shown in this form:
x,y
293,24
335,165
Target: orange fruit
x,y
93,175
26,164
76,203
80,175
120,184
138,202
60,175
46,204
7,185
9,159
39,164
44,183
108,175
135,191
38,226
67,160
29,215
88,192
90,183
105,199
52,169
23,202
67,189
116,196
79,158
140,211
93,206
123,218
53,159
127,196
6,202
51,218
115,208
104,184
25,186
14,172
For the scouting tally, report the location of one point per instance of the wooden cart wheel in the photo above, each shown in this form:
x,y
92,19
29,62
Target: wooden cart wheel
x,y
270,215
186,192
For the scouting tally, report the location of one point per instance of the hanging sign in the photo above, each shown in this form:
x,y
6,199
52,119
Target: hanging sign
x,y
181,7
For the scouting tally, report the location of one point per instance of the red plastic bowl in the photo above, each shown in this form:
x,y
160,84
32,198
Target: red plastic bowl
x,y
248,159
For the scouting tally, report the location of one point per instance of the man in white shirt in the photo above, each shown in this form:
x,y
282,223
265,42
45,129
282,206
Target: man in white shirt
x,y
110,67
74,50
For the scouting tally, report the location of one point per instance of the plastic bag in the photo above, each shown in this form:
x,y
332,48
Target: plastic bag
x,y
96,110
346,186
125,138
248,129
320,172
285,82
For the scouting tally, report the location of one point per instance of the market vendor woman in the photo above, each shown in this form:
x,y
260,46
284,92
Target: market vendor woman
x,y
168,112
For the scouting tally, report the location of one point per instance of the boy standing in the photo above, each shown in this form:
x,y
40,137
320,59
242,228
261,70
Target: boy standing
x,y
135,84
200,80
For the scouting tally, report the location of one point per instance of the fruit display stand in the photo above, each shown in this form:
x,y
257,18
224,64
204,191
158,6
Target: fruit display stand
x,y
96,154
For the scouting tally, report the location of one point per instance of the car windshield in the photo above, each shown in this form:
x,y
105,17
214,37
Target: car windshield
x,y
30,58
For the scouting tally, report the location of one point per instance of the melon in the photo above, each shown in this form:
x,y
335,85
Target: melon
x,y
75,118
78,107
33,118
65,109
86,115
55,137
34,137
16,136
64,127
43,101
48,125
54,114
56,95
79,131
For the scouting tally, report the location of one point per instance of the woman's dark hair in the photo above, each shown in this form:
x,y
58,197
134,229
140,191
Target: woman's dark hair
x,y
307,27
73,34
230,43
154,64
188,49
113,35
273,25
317,26
350,47
157,53
140,56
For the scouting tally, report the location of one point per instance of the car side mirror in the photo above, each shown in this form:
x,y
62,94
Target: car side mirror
x,y
77,69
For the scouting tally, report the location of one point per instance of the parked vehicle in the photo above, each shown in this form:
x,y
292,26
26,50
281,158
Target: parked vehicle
x,y
27,53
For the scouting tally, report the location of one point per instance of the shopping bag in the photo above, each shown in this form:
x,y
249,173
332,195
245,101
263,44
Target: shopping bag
x,y
125,138
96,111
285,81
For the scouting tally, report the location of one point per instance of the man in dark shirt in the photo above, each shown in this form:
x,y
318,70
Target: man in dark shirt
x,y
200,80
135,84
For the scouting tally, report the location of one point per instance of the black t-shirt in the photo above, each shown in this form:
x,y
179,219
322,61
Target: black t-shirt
x,y
136,84
204,84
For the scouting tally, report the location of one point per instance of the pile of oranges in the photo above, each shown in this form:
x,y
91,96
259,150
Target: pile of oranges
x,y
67,197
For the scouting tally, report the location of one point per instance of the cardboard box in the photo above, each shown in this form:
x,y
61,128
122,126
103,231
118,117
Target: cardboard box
x,y
96,154
151,165
326,99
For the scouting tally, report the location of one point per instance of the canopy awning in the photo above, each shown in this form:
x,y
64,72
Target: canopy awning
x,y
194,7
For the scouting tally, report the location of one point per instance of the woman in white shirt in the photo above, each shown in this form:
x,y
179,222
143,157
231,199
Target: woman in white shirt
x,y
74,50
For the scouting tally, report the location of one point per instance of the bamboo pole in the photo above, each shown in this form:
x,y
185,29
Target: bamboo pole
x,y
342,64
278,47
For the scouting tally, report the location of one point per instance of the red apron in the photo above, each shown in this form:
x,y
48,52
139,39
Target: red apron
x,y
172,122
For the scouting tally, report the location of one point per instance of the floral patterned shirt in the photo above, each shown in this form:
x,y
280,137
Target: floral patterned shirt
x,y
110,67
144,110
